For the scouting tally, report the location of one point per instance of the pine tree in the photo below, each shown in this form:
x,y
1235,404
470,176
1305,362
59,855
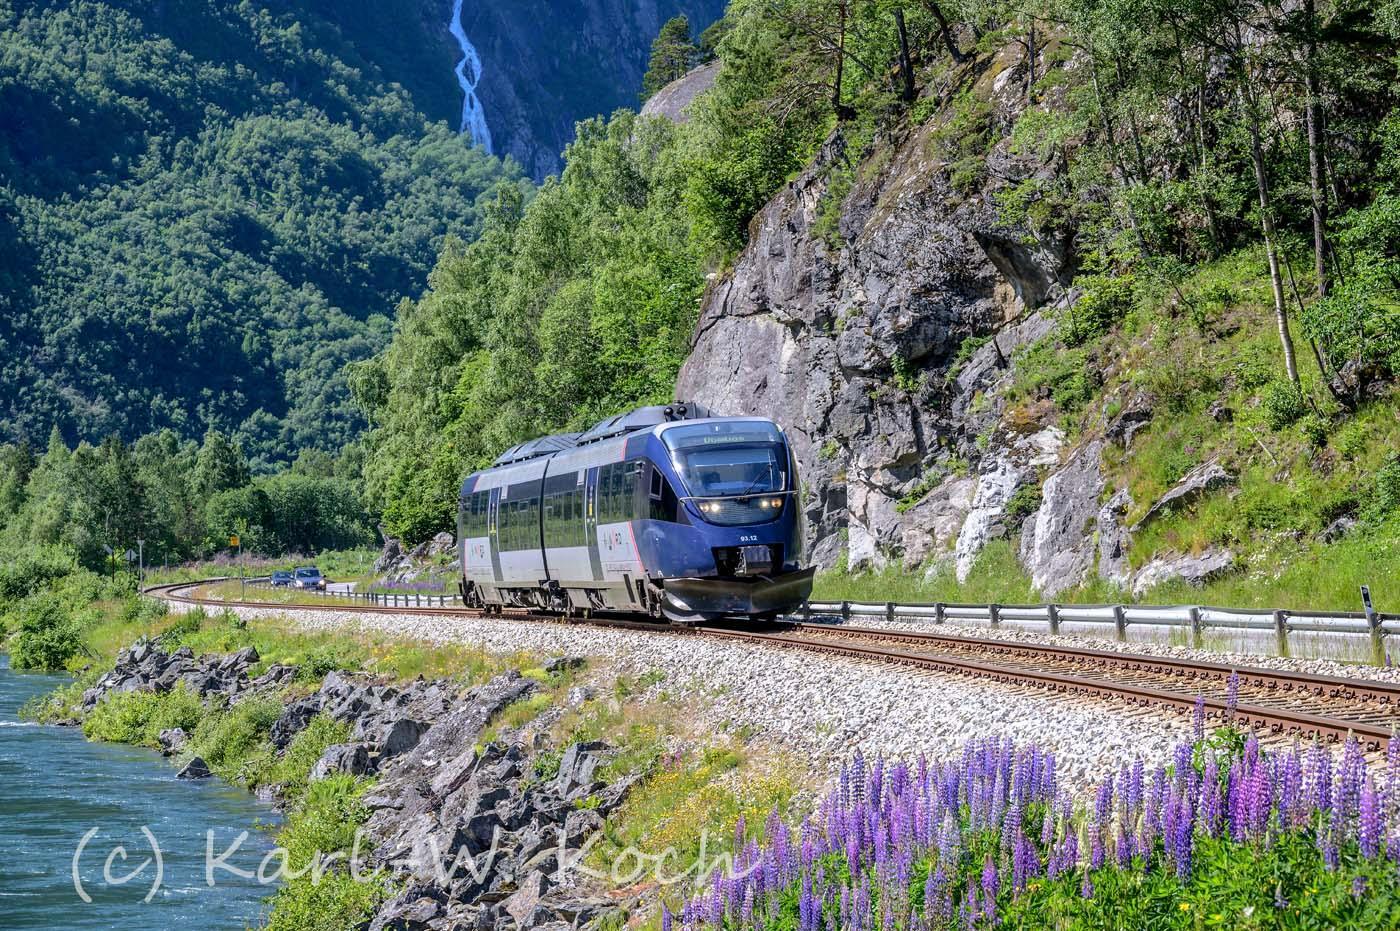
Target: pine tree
x,y
672,54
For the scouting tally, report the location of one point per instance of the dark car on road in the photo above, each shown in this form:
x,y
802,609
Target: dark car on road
x,y
308,578
280,579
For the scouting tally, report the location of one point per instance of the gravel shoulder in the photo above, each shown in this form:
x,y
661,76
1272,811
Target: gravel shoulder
x,y
821,709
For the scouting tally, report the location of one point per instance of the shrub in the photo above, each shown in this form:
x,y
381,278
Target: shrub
x,y
229,738
1024,502
1106,299
121,717
335,903
33,570
326,821
1314,429
294,766
185,625
139,717
48,636
1283,405
327,659
1385,497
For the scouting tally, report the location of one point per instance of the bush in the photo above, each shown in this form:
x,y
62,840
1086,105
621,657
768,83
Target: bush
x,y
1314,429
229,739
48,636
1022,504
32,571
1385,498
185,625
325,823
139,717
335,903
292,768
1283,405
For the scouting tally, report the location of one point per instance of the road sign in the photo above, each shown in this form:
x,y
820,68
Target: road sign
x,y
130,555
1366,600
233,539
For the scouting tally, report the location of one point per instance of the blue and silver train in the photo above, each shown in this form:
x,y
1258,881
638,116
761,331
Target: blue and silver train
x,y
665,511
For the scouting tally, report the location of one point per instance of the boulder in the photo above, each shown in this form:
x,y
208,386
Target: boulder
x,y
524,904
984,521
1196,570
1057,544
172,740
293,720
1207,476
1114,540
400,737
578,765
351,759
195,769
414,909
1338,529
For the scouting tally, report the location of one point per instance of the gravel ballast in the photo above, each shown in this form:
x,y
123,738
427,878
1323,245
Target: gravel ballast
x,y
819,707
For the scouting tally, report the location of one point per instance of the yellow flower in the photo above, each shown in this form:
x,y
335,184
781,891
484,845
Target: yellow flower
x,y
1185,906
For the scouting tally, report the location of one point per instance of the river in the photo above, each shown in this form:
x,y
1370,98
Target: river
x,y
55,787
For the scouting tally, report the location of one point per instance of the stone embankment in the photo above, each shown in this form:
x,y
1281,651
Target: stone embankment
x,y
475,836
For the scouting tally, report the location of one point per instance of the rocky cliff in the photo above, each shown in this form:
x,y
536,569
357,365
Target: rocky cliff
x,y
861,343
548,64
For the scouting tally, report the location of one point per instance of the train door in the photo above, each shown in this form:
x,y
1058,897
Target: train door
x,y
493,539
590,523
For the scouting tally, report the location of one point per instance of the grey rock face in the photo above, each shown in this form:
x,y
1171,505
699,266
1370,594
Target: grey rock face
x,y
146,667
1205,477
195,769
350,759
1196,570
1114,540
1057,545
673,101
172,740
849,345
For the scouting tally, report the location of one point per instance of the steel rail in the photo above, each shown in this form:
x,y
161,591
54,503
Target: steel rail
x,y
1257,676
1275,719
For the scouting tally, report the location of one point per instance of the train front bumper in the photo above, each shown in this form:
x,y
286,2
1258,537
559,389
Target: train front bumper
x,y
739,595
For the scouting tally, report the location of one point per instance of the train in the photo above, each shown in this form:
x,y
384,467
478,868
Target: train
x,y
665,511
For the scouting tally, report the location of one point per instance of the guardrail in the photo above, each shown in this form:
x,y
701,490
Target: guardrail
x,y
1198,619
382,599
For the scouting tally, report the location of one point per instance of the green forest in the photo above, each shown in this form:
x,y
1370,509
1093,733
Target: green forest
x,y
1171,136
215,214
207,210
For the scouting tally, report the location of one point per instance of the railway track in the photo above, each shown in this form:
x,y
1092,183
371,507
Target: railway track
x,y
1278,702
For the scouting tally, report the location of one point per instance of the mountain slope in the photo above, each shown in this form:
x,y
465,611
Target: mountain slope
x,y
212,206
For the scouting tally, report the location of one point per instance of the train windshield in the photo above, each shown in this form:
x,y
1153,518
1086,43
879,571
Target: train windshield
x,y
729,459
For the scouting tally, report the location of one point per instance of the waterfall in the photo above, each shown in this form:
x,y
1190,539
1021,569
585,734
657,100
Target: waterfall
x,y
468,76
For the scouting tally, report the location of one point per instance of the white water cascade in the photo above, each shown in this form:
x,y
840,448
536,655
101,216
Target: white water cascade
x,y
468,76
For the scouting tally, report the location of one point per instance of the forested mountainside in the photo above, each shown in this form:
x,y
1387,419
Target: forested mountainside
x,y
1093,294
546,64
209,209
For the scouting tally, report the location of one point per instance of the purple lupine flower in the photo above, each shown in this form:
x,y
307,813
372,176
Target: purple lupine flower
x,y
1184,838
665,918
1210,808
991,884
1086,888
1232,694
1370,823
1358,887
1198,720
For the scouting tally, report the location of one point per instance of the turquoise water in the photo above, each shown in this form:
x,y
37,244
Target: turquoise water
x,y
55,787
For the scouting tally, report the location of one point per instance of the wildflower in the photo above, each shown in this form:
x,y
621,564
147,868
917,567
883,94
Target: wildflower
x,y
665,918
1358,887
1370,824
1198,720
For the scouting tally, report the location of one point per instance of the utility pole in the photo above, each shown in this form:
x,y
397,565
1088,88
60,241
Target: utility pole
x,y
140,562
